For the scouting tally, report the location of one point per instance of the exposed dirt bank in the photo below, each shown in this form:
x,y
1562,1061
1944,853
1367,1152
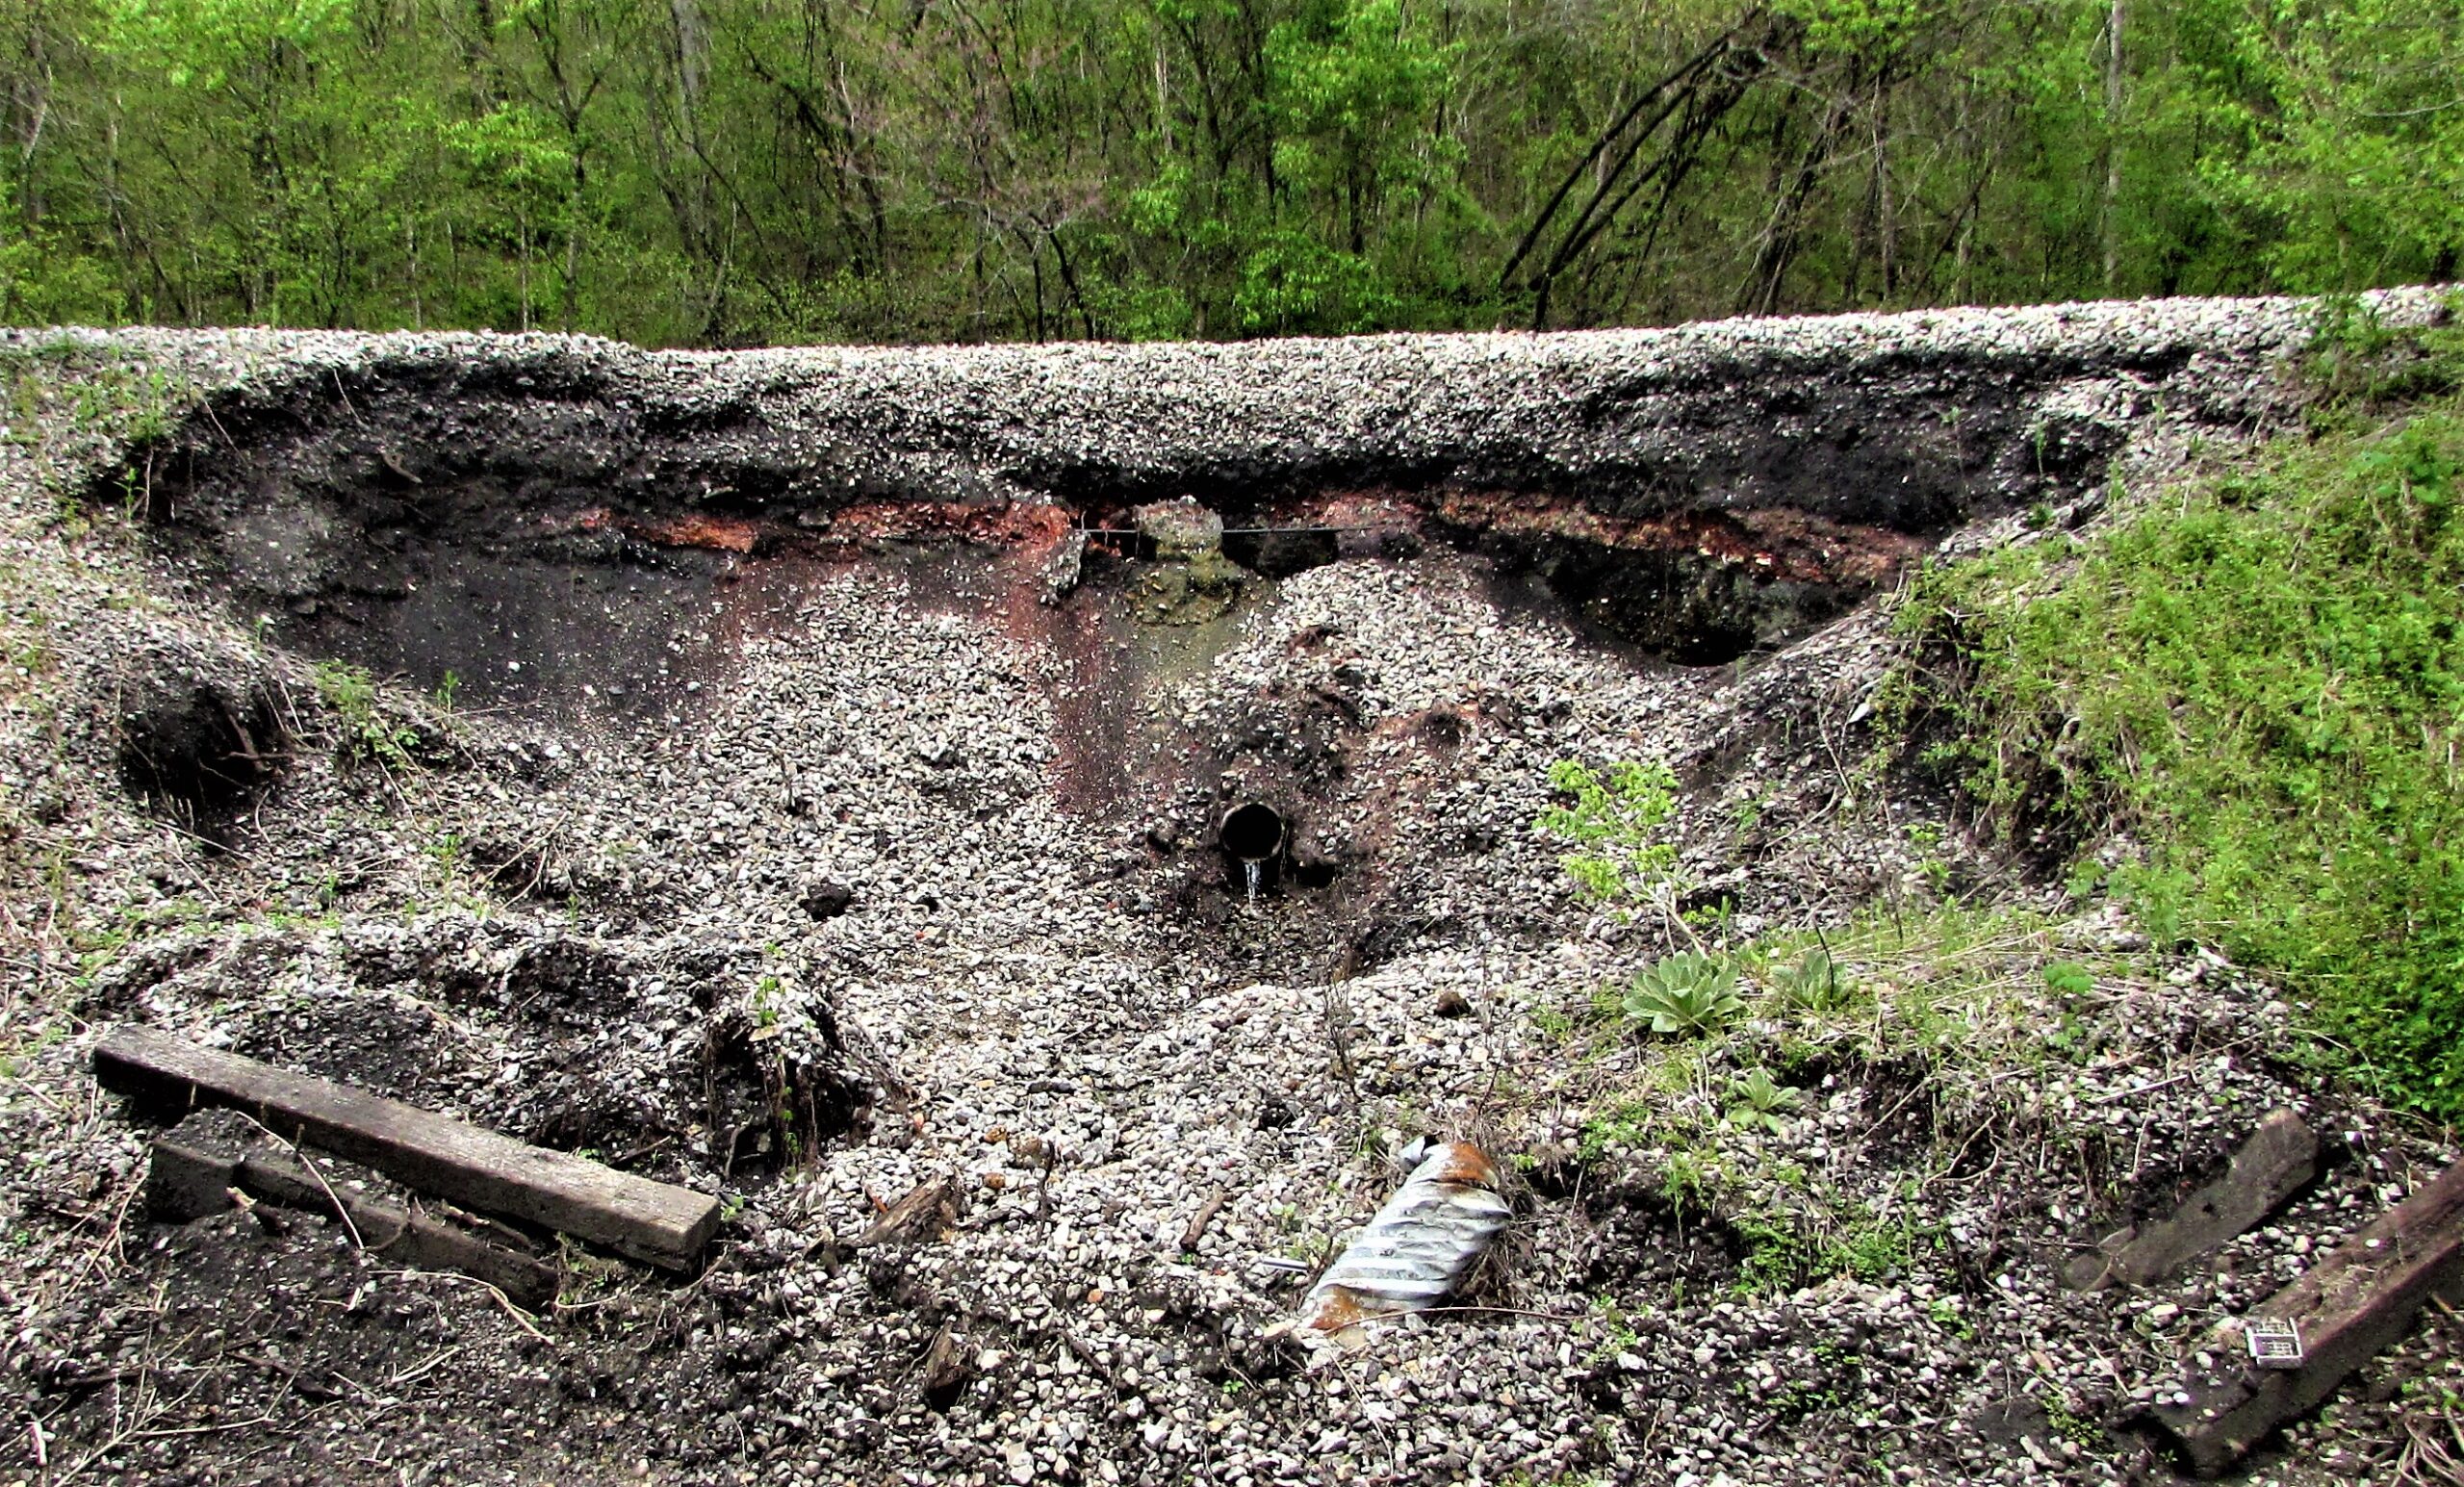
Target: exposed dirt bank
x,y
1701,490
818,810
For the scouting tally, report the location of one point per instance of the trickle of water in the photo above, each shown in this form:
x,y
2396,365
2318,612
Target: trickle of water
x,y
1257,875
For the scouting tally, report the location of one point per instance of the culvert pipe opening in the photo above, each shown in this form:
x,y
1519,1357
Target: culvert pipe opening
x,y
1252,835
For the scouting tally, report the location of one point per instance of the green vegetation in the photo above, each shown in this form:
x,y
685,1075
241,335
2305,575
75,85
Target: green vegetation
x,y
2260,680
368,736
1813,984
2235,707
1781,1254
1943,1005
724,172
2069,1425
1613,818
1756,1099
1688,993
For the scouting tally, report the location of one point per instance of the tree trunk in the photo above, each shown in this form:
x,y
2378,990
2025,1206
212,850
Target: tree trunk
x,y
2112,144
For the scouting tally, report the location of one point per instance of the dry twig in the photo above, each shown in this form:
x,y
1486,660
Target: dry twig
x,y
341,1211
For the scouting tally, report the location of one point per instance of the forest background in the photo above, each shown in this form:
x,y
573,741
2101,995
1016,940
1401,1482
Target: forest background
x,y
723,173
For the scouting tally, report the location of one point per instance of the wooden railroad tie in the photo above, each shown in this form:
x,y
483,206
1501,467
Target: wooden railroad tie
x,y
657,1223
2360,1299
186,1182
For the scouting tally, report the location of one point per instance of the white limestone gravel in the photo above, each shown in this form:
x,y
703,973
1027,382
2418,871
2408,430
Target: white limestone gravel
x,y
551,924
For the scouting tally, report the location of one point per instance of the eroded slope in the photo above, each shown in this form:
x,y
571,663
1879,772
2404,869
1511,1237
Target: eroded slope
x,y
890,860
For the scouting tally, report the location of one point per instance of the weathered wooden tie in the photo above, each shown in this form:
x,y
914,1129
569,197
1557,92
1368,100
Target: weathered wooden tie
x,y
2270,1167
656,1222
189,1182
2357,1300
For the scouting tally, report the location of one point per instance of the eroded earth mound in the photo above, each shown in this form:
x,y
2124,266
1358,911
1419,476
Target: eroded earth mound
x,y
806,775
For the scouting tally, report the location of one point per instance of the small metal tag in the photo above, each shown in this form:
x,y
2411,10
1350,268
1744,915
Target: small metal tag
x,y
2275,1343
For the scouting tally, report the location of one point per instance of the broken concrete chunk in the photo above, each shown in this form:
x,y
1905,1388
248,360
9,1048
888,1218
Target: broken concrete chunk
x,y
1180,529
2359,1299
1063,567
2277,1160
1419,1246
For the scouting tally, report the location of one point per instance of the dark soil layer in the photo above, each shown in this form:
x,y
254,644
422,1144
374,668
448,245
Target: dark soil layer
x,y
820,814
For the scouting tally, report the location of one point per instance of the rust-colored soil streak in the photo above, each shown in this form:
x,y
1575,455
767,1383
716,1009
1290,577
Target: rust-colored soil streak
x,y
1781,543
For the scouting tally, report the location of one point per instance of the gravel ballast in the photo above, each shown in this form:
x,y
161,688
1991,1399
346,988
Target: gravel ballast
x,y
889,864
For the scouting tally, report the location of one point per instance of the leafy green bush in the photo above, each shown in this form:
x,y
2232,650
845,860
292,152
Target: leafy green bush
x,y
2263,683
1687,994
1614,820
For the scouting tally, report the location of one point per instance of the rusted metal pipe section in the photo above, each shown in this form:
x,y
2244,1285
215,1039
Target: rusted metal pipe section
x,y
1420,1244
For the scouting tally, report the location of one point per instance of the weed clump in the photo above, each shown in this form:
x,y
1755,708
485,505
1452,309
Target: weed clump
x,y
366,735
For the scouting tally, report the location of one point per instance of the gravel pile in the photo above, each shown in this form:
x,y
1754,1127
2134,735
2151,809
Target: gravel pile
x,y
833,934
1910,420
